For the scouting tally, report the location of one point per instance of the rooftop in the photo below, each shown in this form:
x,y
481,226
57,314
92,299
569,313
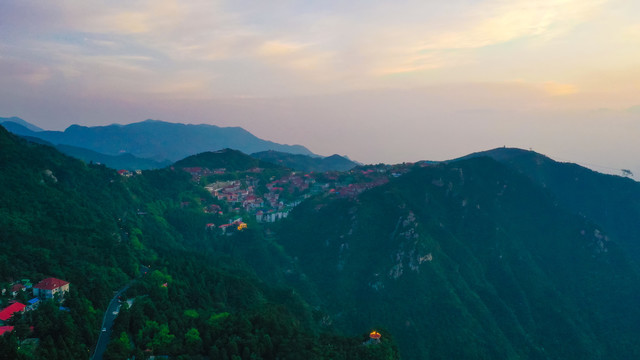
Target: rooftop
x,y
7,312
50,284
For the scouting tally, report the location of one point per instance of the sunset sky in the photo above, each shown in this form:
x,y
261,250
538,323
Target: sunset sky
x,y
379,81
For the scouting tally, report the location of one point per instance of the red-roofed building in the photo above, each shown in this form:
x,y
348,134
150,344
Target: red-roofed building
x,y
5,329
15,289
48,287
8,312
193,170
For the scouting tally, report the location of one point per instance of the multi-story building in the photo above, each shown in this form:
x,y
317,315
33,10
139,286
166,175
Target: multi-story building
x,y
47,288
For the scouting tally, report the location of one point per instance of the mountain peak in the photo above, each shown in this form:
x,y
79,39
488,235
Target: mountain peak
x,y
19,121
230,159
502,153
305,162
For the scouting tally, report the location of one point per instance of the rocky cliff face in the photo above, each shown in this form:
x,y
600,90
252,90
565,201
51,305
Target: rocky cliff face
x,y
469,260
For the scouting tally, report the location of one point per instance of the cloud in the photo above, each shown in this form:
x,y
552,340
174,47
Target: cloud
x,y
127,18
312,48
558,89
505,21
279,48
297,57
420,47
631,34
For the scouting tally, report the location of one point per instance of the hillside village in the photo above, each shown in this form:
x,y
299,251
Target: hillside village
x,y
269,199
22,296
268,194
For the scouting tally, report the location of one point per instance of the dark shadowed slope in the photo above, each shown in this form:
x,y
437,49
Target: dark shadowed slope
x,y
611,201
469,260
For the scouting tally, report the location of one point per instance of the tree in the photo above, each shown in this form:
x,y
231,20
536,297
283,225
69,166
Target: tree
x,y
193,341
118,348
156,337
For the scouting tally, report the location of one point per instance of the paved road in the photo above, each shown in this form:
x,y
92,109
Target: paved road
x,y
110,315
107,323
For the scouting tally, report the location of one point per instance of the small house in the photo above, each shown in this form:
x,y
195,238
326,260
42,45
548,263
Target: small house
x,y
16,288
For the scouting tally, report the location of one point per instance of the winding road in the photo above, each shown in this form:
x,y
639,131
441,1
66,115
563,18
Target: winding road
x,y
107,322
110,315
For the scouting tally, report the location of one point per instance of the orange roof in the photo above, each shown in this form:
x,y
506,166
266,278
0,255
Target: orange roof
x,y
375,335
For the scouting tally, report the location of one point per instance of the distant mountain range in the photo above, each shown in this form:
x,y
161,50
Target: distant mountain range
x,y
152,139
123,161
11,122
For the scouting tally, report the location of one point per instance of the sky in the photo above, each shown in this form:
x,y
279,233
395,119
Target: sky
x,y
378,81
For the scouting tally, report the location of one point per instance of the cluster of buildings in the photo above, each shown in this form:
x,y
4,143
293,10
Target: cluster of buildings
x,y
292,182
236,224
352,190
46,289
197,172
128,173
236,193
267,208
283,194
271,215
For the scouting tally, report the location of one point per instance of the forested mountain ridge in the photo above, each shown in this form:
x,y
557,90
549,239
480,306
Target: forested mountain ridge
x,y
228,159
470,260
306,163
611,201
118,162
205,294
58,218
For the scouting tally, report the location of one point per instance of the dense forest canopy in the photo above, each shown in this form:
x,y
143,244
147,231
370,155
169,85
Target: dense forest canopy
x,y
204,294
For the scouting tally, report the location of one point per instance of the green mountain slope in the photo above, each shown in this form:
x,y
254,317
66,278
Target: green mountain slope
x,y
205,294
306,163
123,161
229,159
469,260
59,217
611,201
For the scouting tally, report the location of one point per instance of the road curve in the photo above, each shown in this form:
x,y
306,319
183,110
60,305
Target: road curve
x,y
107,323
